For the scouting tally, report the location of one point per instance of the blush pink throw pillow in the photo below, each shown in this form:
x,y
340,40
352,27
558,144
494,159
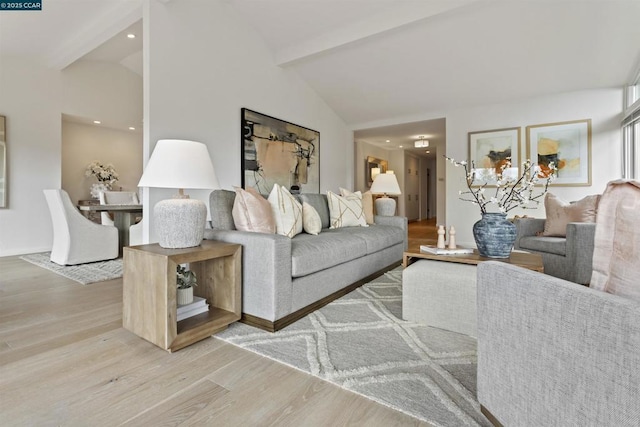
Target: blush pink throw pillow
x,y
616,269
252,212
560,213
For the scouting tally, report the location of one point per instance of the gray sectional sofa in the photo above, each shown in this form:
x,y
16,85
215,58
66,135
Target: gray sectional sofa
x,y
285,278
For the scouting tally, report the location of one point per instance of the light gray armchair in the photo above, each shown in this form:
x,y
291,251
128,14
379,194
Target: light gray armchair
x,y
77,240
568,258
554,353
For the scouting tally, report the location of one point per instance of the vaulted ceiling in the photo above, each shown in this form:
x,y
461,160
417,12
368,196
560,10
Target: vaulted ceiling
x,y
383,62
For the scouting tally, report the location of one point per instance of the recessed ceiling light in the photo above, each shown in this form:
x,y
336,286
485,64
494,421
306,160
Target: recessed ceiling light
x,y
97,122
388,140
399,146
132,128
131,36
427,151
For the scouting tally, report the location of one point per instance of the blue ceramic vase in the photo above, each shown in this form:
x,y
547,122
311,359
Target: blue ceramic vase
x,y
494,235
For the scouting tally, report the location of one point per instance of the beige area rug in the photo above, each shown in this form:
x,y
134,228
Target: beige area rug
x,y
84,273
361,343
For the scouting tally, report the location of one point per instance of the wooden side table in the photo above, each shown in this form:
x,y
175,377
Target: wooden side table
x,y
149,291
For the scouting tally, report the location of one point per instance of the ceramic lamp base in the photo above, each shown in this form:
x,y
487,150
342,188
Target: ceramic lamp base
x,y
179,223
385,206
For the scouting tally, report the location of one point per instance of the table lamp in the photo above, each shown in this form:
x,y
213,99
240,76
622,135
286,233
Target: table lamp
x,y
385,184
175,163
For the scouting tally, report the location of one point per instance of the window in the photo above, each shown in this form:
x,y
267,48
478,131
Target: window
x,y
631,131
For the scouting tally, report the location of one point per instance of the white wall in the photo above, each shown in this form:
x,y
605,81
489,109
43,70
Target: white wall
x,y
97,89
30,99
202,65
603,107
82,144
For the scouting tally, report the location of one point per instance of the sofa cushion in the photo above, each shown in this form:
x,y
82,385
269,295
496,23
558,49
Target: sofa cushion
x,y
287,211
617,241
319,203
554,245
377,237
252,212
310,254
311,222
346,211
221,207
559,213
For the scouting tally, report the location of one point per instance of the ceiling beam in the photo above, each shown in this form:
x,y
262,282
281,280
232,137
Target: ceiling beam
x,y
400,15
95,33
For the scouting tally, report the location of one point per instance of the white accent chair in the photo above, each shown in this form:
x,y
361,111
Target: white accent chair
x,y
77,240
122,198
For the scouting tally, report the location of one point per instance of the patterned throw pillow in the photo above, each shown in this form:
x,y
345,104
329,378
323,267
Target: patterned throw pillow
x,y
311,222
345,211
252,212
287,211
367,202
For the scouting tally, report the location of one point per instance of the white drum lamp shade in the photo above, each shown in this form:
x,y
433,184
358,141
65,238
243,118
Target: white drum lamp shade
x,y
385,184
177,163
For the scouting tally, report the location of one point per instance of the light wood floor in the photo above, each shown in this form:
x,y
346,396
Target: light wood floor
x,y
66,360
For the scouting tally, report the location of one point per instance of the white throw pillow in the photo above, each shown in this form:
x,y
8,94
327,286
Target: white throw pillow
x,y
367,202
287,211
345,211
311,222
252,212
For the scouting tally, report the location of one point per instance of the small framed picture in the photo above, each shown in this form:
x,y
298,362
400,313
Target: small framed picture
x,y
565,144
494,152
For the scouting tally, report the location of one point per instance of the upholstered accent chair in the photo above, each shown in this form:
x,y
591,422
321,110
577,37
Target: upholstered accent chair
x,y
77,240
555,353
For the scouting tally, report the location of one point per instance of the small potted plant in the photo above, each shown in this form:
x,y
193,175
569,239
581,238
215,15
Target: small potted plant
x,y
186,280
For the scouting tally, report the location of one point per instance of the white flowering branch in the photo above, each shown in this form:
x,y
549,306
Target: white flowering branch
x,y
510,192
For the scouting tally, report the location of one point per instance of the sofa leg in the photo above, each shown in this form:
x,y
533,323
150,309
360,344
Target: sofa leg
x,y
490,417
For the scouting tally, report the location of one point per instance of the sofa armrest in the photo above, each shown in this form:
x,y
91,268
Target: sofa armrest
x,y
396,221
266,271
551,352
579,249
527,227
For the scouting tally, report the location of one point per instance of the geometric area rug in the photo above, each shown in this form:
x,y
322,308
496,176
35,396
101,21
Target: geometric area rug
x,y
82,273
360,342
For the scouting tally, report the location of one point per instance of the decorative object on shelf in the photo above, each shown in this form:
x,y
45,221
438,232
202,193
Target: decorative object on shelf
x,y
494,235
386,184
441,238
490,150
176,163
278,152
186,280
105,174
452,238
565,144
